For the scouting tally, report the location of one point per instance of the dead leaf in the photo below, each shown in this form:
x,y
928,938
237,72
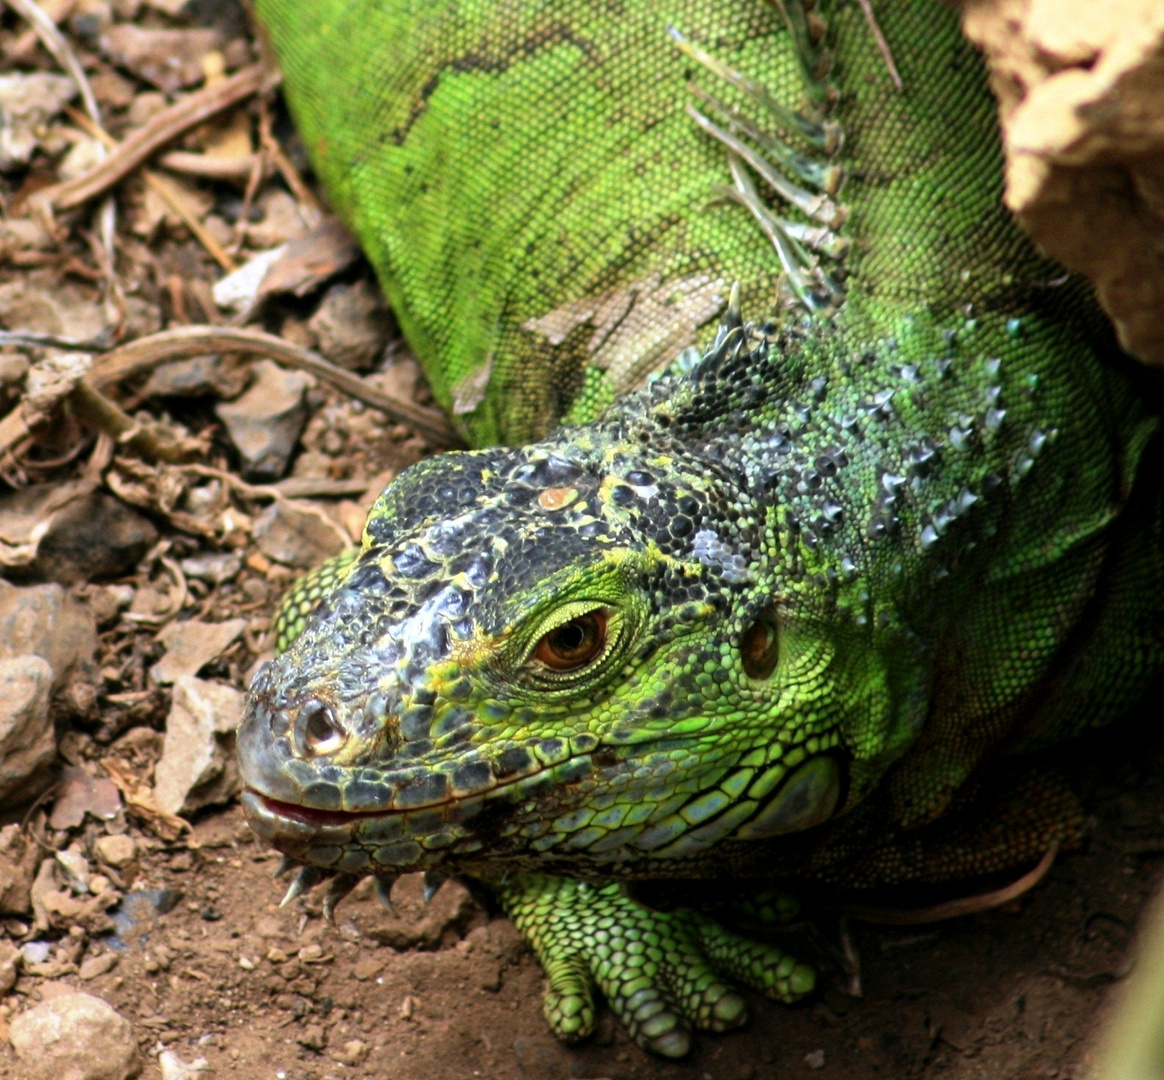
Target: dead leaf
x,y
80,794
139,802
306,263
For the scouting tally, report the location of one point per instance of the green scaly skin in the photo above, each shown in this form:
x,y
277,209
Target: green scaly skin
x,y
829,584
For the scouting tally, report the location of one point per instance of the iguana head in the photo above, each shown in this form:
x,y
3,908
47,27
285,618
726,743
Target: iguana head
x,y
580,653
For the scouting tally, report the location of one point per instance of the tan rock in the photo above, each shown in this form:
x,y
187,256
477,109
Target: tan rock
x,y
1080,85
28,743
46,621
117,851
10,961
197,767
78,1036
191,645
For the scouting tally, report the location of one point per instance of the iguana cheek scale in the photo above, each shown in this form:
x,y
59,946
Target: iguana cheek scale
x,y
830,575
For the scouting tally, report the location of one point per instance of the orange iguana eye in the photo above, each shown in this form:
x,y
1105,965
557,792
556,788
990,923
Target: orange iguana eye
x,y
573,644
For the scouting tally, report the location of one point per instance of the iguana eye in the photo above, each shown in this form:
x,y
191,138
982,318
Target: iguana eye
x,y
574,644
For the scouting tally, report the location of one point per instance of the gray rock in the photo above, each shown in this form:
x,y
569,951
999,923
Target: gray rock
x,y
281,221
28,743
94,537
75,1036
45,621
27,103
199,376
297,535
353,325
191,645
213,567
266,421
170,59
197,767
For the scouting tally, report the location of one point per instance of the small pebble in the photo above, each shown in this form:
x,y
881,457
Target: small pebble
x,y
116,851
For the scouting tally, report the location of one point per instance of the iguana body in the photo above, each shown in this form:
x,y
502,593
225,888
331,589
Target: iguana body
x,y
785,612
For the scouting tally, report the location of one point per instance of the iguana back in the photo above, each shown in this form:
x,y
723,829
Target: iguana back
x,y
541,207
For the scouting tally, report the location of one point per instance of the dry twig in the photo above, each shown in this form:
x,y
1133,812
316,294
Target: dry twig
x,y
145,354
166,192
164,128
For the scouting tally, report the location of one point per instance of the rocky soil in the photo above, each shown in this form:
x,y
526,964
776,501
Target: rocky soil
x,y
175,448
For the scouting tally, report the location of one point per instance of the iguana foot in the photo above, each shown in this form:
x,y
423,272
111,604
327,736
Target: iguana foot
x,y
660,972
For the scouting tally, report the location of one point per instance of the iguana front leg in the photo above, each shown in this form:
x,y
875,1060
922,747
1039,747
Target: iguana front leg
x,y
659,971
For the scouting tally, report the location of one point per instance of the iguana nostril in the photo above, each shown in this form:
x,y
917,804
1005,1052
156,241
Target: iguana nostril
x,y
317,732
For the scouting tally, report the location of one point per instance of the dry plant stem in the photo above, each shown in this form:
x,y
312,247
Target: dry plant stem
x,y
145,354
290,174
169,195
319,487
98,413
209,167
241,225
882,44
151,137
54,41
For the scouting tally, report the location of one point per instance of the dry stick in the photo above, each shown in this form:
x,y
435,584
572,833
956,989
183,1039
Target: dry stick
x,y
145,354
147,140
97,412
953,909
288,171
210,166
241,225
161,186
54,41
882,44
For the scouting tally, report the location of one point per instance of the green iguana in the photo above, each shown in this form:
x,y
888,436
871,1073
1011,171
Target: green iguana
x,y
791,601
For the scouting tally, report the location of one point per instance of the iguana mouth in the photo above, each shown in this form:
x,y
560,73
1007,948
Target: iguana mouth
x,y
309,815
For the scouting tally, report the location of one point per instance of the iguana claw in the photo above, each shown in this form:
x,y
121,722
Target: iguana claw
x,y
337,889
432,884
383,883
306,879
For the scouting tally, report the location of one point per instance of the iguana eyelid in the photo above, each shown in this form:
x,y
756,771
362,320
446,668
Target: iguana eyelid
x,y
616,626
575,609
